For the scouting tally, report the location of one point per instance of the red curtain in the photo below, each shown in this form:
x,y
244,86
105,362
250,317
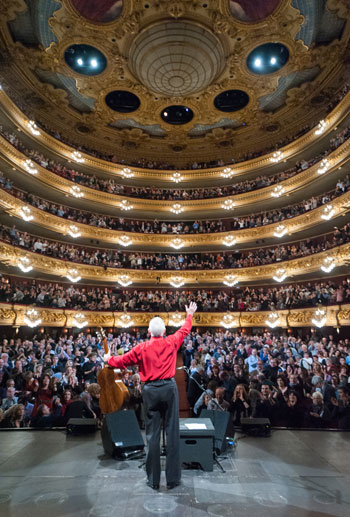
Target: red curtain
x,y
93,9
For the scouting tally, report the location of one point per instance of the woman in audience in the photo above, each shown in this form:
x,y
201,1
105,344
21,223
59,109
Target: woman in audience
x,y
240,404
13,418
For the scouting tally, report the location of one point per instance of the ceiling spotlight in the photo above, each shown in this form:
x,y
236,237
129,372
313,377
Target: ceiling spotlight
x,y
273,61
30,167
281,274
228,204
124,280
73,231
227,172
228,321
176,177
33,128
323,166
127,173
278,191
276,157
258,62
31,318
272,320
73,275
26,214
280,231
319,319
328,264
176,320
177,281
177,209
125,321
80,321
177,243
24,264
230,280
76,191
124,240
80,61
165,113
125,205
229,240
78,157
321,127
93,63
328,212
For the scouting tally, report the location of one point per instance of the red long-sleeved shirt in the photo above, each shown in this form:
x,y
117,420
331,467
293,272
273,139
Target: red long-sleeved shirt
x,y
157,357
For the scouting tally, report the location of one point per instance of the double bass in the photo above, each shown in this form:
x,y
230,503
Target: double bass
x,y
114,394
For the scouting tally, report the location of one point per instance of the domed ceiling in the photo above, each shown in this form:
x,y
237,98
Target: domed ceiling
x,y
181,80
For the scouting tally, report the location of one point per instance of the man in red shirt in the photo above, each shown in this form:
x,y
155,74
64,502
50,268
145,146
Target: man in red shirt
x,y
157,364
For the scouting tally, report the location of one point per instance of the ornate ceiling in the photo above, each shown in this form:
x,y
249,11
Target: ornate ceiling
x,y
113,74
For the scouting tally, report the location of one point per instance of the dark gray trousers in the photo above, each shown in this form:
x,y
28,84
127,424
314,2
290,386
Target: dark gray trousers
x,y
161,398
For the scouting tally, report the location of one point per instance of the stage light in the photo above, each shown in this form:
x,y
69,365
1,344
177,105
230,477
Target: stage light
x,y
76,191
230,280
124,280
26,214
228,204
80,321
177,244
78,157
176,177
73,231
227,172
278,191
24,264
30,167
328,212
328,264
280,231
321,127
33,128
31,318
124,240
323,166
229,240
125,320
281,274
125,205
127,173
272,320
177,208
177,281
73,275
276,157
320,318
176,320
228,321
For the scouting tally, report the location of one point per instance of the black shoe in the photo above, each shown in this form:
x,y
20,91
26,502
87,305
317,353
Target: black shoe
x,y
170,486
155,486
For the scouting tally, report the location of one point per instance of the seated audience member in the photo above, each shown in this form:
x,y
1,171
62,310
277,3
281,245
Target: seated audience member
x,y
77,408
240,404
92,399
44,417
10,399
219,403
13,417
342,408
319,415
291,410
205,400
265,407
209,391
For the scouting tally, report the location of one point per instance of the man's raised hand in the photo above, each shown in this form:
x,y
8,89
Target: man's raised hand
x,y
191,309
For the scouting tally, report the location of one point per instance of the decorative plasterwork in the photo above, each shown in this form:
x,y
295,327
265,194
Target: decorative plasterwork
x,y
57,224
336,316
10,255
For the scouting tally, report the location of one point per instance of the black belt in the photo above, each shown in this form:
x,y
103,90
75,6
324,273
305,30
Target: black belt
x,y
159,380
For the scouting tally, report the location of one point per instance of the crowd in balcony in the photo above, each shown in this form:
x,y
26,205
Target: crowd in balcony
x,y
112,186
54,295
291,380
178,227
171,261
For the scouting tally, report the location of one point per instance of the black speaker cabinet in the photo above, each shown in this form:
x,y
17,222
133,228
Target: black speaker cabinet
x,y
256,426
121,435
79,426
220,421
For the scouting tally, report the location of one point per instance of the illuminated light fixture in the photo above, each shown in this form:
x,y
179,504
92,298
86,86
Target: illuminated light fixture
x,y
78,157
31,318
125,321
24,264
177,244
176,177
278,191
328,212
127,173
276,157
273,61
229,240
323,166
80,321
76,191
125,205
328,264
73,275
176,320
273,320
30,167
258,62
319,319
124,240
74,231
33,128
280,231
124,280
177,281
321,127
80,61
177,209
228,321
93,63
26,214
230,280
281,274
227,172
228,204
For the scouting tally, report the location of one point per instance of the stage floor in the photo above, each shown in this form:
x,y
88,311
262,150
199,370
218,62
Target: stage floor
x,y
292,473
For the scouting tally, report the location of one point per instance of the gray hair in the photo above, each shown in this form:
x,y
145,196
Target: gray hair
x,y
156,327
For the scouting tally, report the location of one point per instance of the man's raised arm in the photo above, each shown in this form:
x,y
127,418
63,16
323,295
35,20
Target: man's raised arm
x,y
180,334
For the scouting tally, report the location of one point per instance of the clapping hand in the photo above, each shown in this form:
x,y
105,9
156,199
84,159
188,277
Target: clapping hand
x,y
191,309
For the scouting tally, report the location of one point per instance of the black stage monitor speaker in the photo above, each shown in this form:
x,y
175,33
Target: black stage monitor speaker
x,y
220,421
256,426
78,426
121,435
